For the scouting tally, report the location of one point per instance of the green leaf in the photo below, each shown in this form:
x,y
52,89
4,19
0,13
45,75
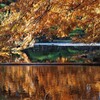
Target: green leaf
x,y
73,51
2,5
77,32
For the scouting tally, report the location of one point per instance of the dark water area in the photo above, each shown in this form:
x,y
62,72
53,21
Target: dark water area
x,y
63,54
53,54
50,82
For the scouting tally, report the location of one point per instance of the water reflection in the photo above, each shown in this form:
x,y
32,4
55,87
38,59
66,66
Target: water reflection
x,y
49,83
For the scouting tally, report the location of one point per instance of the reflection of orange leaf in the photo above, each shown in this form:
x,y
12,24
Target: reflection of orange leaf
x,y
97,86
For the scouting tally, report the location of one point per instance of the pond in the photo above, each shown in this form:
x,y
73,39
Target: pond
x,y
50,82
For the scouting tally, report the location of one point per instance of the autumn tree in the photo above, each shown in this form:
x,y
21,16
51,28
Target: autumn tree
x,y
24,20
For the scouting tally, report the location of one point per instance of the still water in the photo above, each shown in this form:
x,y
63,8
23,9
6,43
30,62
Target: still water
x,y
49,82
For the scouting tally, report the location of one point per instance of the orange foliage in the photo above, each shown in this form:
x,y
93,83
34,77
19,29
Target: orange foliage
x,y
34,16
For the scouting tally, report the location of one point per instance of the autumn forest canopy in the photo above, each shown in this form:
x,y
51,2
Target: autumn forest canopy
x,y
23,21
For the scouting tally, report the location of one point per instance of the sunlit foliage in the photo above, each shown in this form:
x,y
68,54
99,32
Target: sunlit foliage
x,y
23,20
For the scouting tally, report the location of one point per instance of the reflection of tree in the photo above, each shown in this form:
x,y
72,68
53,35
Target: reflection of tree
x,y
52,82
